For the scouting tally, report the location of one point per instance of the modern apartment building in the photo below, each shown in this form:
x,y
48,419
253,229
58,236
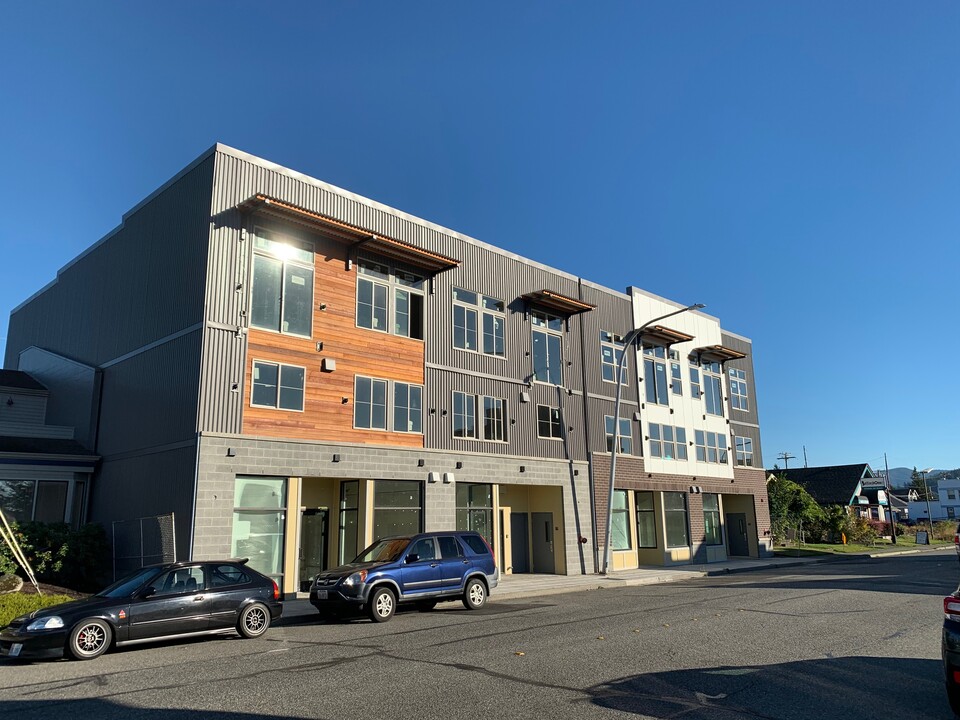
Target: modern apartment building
x,y
294,370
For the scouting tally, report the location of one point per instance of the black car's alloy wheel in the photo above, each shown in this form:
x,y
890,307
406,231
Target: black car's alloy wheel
x,y
89,639
254,621
474,595
382,605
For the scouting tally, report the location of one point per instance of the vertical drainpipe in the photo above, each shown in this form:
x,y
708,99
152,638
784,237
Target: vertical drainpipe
x,y
586,429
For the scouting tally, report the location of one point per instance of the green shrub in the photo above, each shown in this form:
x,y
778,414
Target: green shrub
x,y
15,604
59,555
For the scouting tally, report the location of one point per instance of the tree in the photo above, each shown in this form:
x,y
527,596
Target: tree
x,y
918,485
791,506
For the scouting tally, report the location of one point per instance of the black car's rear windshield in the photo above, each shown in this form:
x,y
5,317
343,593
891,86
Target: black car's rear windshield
x,y
384,550
128,585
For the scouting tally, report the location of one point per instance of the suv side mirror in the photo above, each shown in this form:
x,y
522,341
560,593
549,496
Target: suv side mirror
x,y
412,558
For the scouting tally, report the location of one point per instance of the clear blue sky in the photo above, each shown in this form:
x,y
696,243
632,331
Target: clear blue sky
x,y
795,166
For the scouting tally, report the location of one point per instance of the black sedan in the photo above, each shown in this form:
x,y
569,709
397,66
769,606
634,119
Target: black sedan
x,y
160,602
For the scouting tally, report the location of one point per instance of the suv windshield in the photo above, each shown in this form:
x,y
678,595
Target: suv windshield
x,y
383,550
129,584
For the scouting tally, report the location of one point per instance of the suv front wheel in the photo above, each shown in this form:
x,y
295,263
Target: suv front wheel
x,y
474,594
382,605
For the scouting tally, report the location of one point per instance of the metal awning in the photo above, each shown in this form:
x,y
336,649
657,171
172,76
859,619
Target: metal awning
x,y
720,353
557,302
351,234
662,335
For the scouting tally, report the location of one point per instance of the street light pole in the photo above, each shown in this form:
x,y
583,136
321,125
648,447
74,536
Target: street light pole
x,y
926,495
628,340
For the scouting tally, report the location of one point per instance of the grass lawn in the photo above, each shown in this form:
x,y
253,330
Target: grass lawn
x,y
905,542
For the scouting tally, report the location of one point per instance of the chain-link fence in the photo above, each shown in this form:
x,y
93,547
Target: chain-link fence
x,y
143,541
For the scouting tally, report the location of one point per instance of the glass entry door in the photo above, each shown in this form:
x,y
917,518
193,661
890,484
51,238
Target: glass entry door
x,y
313,544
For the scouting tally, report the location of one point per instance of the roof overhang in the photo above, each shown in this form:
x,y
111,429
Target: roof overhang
x,y
662,335
351,234
720,353
557,302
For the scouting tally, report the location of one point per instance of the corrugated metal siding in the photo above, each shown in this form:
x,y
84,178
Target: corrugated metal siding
x,y
148,485
751,416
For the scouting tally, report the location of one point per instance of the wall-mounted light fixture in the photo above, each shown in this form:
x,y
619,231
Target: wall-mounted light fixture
x,y
231,452
447,478
433,477
459,465
420,462
336,457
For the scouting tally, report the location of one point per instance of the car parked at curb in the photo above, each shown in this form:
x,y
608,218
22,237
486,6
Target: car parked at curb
x,y
950,649
422,570
159,602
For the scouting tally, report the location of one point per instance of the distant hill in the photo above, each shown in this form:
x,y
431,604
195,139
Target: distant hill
x,y
900,477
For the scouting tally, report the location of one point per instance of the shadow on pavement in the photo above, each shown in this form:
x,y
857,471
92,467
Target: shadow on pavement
x,y
106,710
848,688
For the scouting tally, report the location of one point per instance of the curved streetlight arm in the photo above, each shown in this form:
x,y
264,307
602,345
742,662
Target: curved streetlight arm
x,y
628,340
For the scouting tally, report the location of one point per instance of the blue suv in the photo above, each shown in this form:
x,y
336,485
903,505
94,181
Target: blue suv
x,y
421,569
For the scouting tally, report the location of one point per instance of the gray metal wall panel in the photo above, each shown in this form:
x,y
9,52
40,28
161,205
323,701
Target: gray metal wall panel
x,y
600,408
754,434
751,417
141,283
151,399
147,485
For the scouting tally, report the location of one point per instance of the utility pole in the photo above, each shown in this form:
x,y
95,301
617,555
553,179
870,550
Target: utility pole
x,y
886,481
805,456
786,457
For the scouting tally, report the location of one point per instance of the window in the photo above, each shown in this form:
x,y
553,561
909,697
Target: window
x,y
376,285
548,422
407,408
655,374
547,348
713,388
713,534
676,379
349,513
646,520
40,500
277,386
695,391
738,389
951,495
675,518
668,442
258,511
620,521
468,307
370,406
424,549
711,447
397,508
179,581
449,547
475,509
625,435
611,350
281,298
464,415
744,450
226,575
494,419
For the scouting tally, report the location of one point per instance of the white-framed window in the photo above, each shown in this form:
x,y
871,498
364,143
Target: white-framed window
x,y
738,389
389,300
676,379
655,374
374,405
611,350
491,424
744,450
281,296
478,323
547,347
549,423
711,447
276,385
668,442
713,388
464,415
624,434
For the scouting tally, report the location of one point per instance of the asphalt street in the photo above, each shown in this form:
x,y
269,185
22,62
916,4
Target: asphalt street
x,y
852,639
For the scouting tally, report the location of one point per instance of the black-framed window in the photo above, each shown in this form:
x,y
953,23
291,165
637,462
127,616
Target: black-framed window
x,y
611,350
547,347
278,386
625,435
655,374
646,519
389,300
675,518
549,423
397,508
712,530
281,298
668,442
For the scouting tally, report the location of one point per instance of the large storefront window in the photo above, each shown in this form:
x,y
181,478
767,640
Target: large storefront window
x,y
475,509
646,520
258,513
349,511
711,519
620,522
397,508
675,516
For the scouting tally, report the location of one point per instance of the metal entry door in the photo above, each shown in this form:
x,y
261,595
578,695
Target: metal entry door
x,y
313,544
737,534
543,543
520,542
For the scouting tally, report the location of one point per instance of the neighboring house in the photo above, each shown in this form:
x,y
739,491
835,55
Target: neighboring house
x,y
44,471
855,487
293,370
944,502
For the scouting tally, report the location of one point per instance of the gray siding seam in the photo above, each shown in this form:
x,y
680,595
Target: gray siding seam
x,y
151,346
607,398
150,450
602,288
744,424
214,325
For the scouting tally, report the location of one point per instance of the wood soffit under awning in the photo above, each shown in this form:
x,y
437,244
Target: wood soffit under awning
x,y
558,303
720,353
356,236
661,335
